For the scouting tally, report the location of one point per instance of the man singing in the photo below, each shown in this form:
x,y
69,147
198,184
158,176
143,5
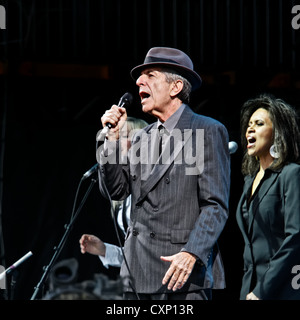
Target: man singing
x,y
179,195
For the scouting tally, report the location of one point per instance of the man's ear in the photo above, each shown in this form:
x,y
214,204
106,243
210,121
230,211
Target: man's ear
x,y
176,88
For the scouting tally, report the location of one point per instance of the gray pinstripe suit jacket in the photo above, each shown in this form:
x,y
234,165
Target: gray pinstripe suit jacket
x,y
172,210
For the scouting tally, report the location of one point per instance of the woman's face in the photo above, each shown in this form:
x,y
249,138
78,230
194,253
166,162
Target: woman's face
x,y
259,134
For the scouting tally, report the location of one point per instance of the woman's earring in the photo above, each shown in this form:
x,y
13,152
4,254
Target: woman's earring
x,y
273,152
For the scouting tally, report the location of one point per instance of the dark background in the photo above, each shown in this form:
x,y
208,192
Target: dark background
x,y
63,63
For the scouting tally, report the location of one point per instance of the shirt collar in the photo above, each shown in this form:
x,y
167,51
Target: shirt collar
x,y
171,122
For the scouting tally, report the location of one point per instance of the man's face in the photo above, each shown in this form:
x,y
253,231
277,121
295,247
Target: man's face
x,y
154,91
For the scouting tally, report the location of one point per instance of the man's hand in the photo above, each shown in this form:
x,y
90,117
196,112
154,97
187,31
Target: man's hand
x,y
116,116
92,245
180,269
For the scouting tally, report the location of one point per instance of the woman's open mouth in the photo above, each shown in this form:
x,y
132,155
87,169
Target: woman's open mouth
x,y
251,142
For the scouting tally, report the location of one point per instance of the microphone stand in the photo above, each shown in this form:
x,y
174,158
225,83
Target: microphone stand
x,y
59,248
13,281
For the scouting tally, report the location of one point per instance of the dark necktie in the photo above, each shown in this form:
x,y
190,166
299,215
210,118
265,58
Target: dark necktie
x,y
161,131
124,214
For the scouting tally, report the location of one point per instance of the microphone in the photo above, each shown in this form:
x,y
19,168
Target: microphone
x,y
125,101
90,172
15,265
232,146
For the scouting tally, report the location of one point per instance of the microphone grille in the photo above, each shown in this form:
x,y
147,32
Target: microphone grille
x,y
127,99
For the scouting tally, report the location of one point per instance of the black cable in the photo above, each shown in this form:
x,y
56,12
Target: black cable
x,y
75,199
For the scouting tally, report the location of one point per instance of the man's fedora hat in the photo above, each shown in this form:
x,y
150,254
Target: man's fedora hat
x,y
171,58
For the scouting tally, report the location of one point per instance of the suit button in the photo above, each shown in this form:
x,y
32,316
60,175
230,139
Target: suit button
x,y
134,177
167,180
135,232
152,234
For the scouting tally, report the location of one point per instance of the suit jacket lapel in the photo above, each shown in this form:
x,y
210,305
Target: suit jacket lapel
x,y
168,153
247,184
261,194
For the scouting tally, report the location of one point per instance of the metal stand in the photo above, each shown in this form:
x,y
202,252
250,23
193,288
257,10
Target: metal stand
x,y
59,248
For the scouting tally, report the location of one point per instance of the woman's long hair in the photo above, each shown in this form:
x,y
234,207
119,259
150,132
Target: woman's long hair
x,y
132,124
286,134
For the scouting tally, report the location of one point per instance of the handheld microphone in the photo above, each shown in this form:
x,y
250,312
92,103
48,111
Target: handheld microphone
x,y
125,101
232,146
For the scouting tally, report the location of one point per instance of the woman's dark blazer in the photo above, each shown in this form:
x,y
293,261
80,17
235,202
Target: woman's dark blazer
x,y
272,238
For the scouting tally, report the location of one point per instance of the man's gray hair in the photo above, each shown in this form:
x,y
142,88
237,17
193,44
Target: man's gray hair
x,y
172,76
